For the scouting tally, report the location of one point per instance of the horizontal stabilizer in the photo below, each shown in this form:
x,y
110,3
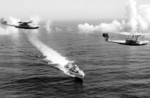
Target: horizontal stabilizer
x,y
106,36
3,21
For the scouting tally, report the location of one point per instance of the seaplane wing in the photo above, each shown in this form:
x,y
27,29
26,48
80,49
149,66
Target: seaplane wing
x,y
134,34
25,22
131,34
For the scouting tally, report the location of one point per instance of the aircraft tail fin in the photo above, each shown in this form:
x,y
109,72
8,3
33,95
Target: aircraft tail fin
x,y
106,36
3,21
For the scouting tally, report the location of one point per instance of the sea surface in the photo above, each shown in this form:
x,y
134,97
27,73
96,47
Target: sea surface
x,y
111,70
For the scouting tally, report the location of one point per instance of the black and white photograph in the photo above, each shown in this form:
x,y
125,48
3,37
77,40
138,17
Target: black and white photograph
x,y
74,49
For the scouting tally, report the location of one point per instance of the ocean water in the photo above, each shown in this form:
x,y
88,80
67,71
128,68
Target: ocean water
x,y
111,70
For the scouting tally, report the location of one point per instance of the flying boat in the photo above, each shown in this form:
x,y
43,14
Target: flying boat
x,y
131,39
20,24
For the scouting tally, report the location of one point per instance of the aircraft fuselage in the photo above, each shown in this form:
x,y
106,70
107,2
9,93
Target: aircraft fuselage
x,y
26,27
129,42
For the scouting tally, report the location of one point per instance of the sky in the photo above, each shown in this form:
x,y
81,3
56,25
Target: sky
x,y
66,9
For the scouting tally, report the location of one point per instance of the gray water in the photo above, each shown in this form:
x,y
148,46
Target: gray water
x,y
111,70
